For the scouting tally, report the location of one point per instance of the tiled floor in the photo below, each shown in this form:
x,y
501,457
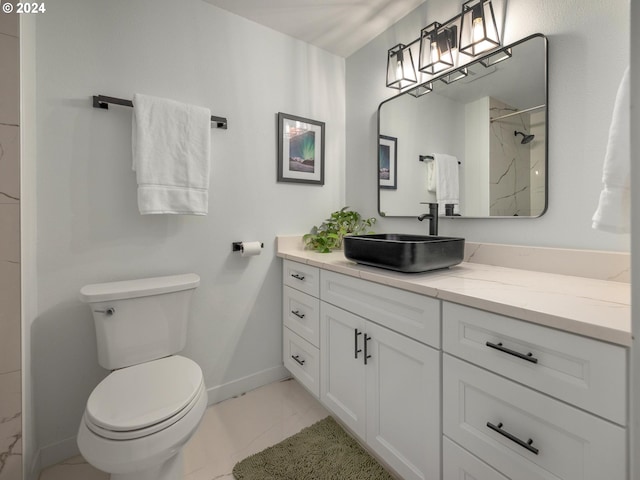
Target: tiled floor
x,y
229,432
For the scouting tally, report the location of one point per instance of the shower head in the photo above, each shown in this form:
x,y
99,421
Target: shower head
x,y
525,138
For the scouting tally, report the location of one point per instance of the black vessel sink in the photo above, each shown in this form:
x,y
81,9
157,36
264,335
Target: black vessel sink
x,y
404,253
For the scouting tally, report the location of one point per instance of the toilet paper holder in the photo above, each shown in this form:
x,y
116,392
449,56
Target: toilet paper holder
x,y
237,246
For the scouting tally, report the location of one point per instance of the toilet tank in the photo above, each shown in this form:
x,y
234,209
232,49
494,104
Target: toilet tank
x,y
140,320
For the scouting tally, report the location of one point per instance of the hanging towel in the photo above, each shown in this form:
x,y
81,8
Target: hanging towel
x,y
613,213
446,180
171,145
431,177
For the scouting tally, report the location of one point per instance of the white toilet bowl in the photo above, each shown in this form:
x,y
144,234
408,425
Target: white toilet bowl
x,y
138,419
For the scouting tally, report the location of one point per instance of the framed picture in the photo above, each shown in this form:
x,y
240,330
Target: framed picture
x,y
300,150
388,162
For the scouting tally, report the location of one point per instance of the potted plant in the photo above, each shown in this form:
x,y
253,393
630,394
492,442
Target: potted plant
x,y
328,236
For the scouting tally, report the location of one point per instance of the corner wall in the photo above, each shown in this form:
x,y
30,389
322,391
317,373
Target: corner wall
x,y
89,228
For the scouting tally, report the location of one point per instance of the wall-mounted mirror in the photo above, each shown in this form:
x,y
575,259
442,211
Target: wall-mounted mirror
x,y
493,120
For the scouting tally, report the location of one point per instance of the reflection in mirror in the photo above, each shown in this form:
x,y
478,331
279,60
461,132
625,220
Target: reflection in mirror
x,y
493,121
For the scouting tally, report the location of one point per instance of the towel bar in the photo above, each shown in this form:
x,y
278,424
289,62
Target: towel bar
x,y
428,158
102,101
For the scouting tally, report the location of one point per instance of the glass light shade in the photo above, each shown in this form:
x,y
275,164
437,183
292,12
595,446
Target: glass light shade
x,y
436,48
455,76
478,29
400,70
496,57
421,90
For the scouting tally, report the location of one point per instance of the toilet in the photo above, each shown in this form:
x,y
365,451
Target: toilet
x,y
138,419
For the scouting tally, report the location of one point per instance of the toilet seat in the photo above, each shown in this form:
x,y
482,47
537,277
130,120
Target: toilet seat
x,y
143,399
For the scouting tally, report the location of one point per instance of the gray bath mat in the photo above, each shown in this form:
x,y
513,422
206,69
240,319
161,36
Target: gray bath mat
x,y
323,451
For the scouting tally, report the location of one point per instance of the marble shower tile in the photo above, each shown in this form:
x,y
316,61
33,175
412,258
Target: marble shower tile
x,y
9,318
10,426
9,24
9,164
9,80
10,233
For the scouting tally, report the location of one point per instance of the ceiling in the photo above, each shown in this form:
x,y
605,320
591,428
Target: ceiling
x,y
338,26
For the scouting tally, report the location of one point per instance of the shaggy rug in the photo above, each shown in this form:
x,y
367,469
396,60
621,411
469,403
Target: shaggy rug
x,y
323,451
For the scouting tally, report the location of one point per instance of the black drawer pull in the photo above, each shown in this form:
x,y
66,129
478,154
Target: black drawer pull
x,y
355,348
527,444
298,314
366,340
297,359
297,277
498,346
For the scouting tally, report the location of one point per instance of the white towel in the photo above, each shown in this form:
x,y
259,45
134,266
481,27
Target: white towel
x,y
613,213
446,180
171,146
431,176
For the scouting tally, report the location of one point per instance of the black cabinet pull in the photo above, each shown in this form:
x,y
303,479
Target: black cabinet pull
x,y
513,438
297,359
366,356
355,348
498,346
297,313
297,277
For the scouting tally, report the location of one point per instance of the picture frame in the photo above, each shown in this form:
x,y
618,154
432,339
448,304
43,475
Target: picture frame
x,y
388,162
300,150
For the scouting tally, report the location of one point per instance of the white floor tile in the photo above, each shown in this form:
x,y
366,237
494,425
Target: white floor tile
x,y
229,432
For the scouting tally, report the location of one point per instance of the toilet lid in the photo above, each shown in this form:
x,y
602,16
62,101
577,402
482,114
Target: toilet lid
x,y
142,395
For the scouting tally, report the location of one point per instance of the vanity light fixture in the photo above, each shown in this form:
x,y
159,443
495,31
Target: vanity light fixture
x,y
455,76
436,48
421,89
497,57
400,70
472,32
478,29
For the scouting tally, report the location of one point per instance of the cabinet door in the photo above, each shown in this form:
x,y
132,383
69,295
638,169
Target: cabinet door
x,y
342,375
403,403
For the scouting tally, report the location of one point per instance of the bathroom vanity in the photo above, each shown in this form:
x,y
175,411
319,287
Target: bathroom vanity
x,y
476,371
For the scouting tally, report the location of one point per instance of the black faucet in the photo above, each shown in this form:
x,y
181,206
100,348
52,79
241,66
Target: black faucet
x,y
433,218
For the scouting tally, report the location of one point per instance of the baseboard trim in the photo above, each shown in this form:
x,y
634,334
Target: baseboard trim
x,y
250,382
57,452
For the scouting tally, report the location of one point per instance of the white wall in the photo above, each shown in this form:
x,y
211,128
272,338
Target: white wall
x,y
584,72
89,229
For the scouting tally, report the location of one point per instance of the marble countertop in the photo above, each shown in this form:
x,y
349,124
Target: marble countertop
x,y
594,308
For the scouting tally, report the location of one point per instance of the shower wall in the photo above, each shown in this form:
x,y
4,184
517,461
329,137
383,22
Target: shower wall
x,y
510,164
10,366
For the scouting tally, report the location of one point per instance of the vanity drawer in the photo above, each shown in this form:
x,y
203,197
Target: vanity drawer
x,y
301,314
571,444
301,277
302,360
413,315
584,372
458,464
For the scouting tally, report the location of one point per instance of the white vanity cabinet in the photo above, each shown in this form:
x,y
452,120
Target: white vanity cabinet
x,y
301,324
529,400
382,384
443,391
376,377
